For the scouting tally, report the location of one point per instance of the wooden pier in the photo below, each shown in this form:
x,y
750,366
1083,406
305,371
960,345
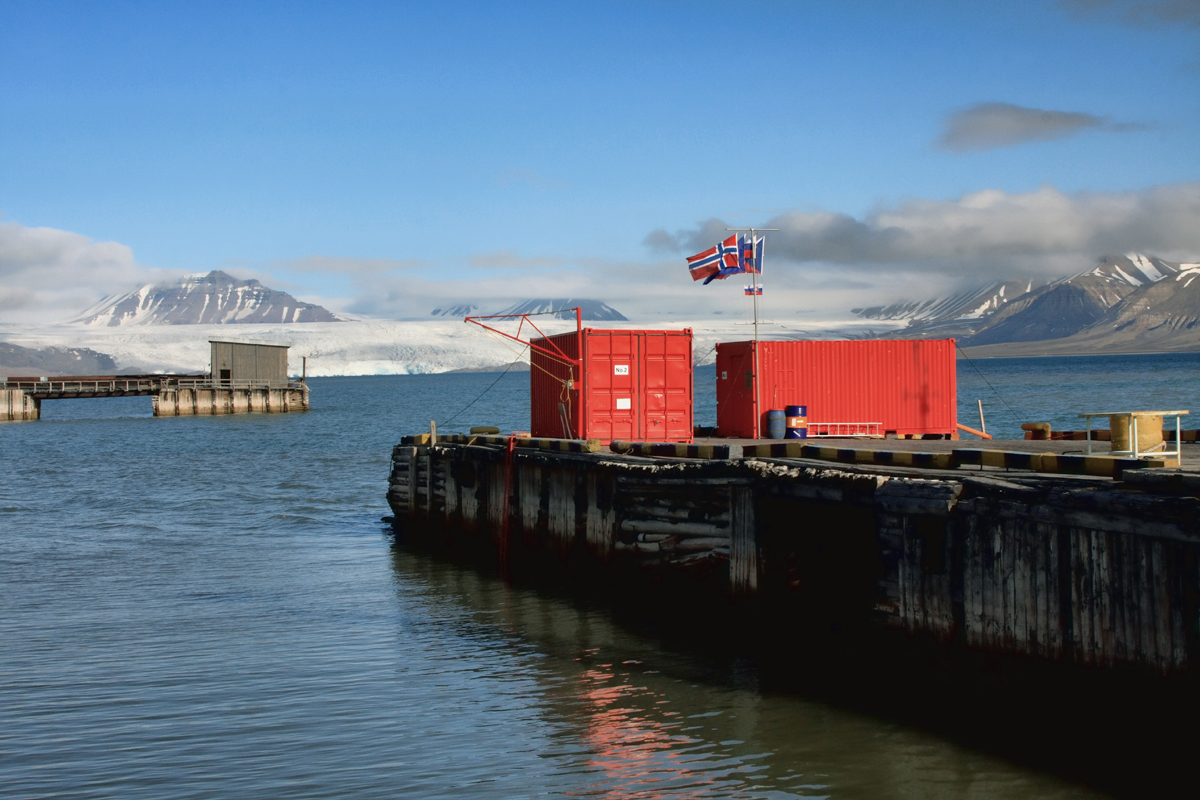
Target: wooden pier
x,y
1045,559
172,395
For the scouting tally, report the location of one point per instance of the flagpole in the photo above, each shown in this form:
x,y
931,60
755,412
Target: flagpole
x,y
754,287
757,372
754,290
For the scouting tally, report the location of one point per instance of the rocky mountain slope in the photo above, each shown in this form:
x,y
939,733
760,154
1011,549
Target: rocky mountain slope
x,y
1122,297
215,298
17,360
952,314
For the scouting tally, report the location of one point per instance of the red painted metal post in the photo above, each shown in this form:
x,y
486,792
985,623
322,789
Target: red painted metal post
x,y
579,426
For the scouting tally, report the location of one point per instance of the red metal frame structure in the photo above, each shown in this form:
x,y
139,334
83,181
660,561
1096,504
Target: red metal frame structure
x,y
575,364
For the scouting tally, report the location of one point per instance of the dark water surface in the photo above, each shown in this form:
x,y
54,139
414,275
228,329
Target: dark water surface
x,y
209,607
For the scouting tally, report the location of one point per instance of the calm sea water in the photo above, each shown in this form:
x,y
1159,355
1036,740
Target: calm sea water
x,y
209,607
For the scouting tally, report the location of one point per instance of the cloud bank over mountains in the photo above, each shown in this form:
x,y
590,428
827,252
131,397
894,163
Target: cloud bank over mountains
x,y
984,235
821,260
45,272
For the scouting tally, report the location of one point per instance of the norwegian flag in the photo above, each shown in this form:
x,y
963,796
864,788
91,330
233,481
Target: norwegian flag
x,y
750,254
753,290
717,262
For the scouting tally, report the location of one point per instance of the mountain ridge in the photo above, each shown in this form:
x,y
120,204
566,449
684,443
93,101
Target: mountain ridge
x,y
590,310
1133,292
212,298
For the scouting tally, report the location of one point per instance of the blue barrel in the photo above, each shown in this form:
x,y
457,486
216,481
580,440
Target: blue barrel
x,y
796,422
775,424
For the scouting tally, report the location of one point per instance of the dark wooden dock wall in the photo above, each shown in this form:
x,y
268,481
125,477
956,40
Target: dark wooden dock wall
x,y
1089,573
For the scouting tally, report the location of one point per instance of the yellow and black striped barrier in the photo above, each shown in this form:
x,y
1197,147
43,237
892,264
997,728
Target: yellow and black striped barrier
x,y
1053,463
1047,463
1058,463
716,452
848,455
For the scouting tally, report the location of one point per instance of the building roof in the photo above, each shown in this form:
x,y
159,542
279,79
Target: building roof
x,y
261,342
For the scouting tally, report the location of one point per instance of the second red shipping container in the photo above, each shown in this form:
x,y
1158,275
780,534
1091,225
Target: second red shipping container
x,y
885,386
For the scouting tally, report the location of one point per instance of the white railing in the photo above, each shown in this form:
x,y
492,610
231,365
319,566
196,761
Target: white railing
x,y
1131,418
147,385
867,429
83,386
208,383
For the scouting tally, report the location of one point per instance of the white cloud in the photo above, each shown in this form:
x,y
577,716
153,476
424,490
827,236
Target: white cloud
x,y
509,259
985,234
48,274
345,266
987,126
1141,13
820,262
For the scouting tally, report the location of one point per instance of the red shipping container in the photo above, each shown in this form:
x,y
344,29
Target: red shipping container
x,y
635,385
907,386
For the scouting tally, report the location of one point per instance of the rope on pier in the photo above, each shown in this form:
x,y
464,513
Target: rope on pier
x,y
985,380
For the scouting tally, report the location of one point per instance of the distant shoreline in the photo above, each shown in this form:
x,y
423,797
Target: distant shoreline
x,y
1007,351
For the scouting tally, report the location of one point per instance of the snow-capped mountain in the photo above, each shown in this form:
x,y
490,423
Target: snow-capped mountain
x,y
967,305
593,310
15,360
1027,312
215,298
1069,305
460,310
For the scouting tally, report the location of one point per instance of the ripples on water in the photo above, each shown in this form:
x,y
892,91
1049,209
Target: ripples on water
x,y
209,607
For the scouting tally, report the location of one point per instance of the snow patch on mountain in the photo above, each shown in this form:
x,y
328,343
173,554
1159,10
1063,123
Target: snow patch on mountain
x,y
966,305
212,298
461,310
591,310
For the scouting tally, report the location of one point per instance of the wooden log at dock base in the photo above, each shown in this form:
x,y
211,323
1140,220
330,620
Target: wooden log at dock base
x,y
743,547
600,521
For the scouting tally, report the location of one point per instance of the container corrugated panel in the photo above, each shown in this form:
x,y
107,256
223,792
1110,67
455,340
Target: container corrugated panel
x,y
908,386
636,385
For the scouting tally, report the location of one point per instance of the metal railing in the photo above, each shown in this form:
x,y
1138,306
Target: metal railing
x,y
139,385
208,383
872,429
82,386
1131,417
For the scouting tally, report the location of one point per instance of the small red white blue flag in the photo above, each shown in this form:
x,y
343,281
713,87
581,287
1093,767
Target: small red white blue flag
x,y
750,254
717,262
753,290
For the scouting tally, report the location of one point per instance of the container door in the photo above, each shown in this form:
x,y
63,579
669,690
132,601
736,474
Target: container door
x,y
613,406
666,386
735,390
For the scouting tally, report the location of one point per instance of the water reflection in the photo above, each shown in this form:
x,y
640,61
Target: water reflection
x,y
630,718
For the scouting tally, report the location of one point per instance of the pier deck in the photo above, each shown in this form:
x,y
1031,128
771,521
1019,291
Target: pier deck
x,y
1190,458
173,395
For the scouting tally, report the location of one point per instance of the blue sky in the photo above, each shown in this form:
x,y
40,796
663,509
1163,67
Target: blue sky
x,y
384,158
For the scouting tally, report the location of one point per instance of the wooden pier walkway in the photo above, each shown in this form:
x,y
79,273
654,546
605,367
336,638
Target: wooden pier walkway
x,y
173,395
